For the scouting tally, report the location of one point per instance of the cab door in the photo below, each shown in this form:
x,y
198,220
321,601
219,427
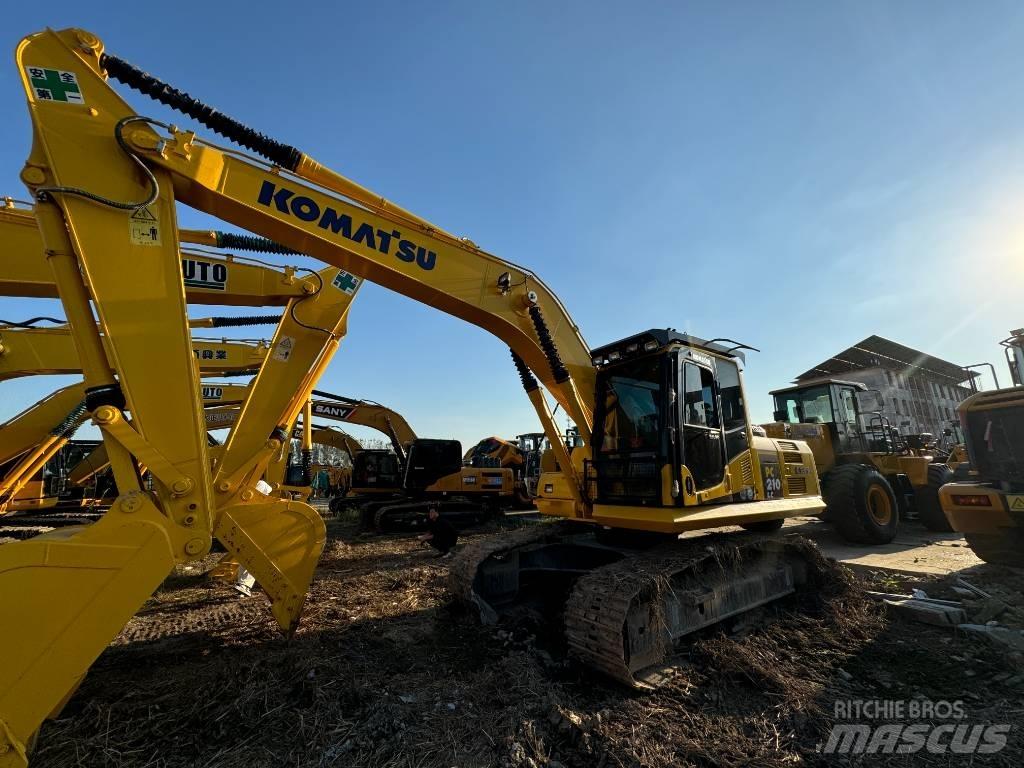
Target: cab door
x,y
703,446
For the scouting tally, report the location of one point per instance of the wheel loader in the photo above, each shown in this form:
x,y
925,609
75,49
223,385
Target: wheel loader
x,y
871,475
986,500
667,444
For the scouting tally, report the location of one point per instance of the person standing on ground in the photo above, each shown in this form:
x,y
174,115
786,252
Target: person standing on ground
x,y
441,535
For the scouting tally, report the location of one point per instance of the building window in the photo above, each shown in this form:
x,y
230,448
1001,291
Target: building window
x,y
896,406
888,377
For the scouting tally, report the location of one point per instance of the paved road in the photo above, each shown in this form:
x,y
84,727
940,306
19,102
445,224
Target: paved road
x,y
915,549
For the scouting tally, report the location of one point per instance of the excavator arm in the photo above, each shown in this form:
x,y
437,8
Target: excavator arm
x,y
300,204
209,278
39,351
367,414
31,438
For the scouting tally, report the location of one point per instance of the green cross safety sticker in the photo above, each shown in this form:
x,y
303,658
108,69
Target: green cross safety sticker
x,y
55,85
343,281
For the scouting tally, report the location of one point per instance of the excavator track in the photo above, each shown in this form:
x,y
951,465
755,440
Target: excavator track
x,y
623,618
462,574
412,515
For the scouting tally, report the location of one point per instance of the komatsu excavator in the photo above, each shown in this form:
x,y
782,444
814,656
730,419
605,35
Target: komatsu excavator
x,y
669,447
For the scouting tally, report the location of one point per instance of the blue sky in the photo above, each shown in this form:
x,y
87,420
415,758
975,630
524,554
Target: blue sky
x,y
795,175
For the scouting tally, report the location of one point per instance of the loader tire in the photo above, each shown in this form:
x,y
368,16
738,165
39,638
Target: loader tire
x,y
764,526
1003,548
928,508
861,504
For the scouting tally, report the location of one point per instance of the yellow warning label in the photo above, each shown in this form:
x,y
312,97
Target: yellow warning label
x,y
283,348
143,228
1016,503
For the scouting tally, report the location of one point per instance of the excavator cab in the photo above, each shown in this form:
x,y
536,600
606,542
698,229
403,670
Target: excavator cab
x,y
376,470
665,399
430,460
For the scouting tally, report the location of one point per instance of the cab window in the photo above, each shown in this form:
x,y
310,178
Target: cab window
x,y
699,406
734,417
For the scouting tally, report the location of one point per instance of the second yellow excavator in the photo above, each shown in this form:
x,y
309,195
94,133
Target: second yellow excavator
x,y
393,489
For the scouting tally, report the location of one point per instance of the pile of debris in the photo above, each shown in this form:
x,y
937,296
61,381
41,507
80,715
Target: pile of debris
x,y
994,615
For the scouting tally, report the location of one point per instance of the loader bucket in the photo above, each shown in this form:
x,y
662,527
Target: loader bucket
x,y
65,595
279,542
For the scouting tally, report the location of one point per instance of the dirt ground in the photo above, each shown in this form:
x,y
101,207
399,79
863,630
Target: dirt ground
x,y
385,672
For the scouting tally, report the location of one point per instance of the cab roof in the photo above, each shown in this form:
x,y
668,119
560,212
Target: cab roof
x,y
817,383
665,336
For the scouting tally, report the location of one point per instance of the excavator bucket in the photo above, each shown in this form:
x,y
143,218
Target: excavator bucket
x,y
280,543
66,593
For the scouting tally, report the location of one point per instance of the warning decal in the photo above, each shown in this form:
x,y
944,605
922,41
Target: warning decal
x,y
143,228
55,85
1015,503
283,348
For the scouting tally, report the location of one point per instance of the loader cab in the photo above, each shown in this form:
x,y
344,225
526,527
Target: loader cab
x,y
665,401
427,461
832,403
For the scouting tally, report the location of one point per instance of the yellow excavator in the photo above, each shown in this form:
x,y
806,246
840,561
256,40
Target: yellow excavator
x,y
668,444
393,489
284,474
32,438
985,501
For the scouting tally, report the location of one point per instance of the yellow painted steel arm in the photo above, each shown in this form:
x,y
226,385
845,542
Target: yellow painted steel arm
x,y
367,414
347,226
225,393
335,438
34,436
223,416
209,279
303,345
38,351
27,429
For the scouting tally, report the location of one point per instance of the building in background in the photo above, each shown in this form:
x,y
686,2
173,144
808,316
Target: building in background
x,y
918,392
